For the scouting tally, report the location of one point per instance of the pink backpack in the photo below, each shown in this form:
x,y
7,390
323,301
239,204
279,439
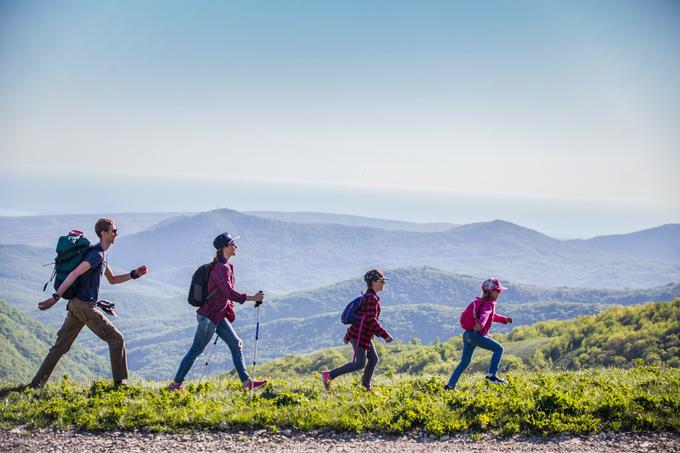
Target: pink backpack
x,y
470,315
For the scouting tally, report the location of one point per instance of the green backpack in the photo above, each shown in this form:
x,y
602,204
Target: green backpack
x,y
71,251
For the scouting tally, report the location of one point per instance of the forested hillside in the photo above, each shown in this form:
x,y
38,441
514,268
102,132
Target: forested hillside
x,y
24,342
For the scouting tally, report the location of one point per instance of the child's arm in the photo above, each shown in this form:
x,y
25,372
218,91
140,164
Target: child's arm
x,y
501,318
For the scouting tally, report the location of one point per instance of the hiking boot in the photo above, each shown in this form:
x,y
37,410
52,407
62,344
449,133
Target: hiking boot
x,y
253,385
495,379
327,380
448,387
174,386
119,384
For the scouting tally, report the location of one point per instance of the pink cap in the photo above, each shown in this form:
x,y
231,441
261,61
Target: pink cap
x,y
492,284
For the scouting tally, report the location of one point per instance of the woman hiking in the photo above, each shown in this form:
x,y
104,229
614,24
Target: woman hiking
x,y
476,319
211,316
361,334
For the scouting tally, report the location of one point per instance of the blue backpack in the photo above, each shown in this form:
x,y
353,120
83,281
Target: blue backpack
x,y
349,315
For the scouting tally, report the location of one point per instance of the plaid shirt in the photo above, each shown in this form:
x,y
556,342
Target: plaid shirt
x,y
364,330
221,304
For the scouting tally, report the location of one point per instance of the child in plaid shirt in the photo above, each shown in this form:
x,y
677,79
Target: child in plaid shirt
x,y
361,333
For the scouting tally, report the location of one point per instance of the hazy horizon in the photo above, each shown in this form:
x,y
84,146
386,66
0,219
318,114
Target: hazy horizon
x,y
566,219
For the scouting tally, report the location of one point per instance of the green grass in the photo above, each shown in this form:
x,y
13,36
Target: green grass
x,y
540,403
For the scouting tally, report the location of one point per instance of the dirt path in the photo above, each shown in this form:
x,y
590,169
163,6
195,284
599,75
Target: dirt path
x,y
48,440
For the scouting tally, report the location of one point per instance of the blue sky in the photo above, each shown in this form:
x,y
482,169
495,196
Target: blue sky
x,y
559,116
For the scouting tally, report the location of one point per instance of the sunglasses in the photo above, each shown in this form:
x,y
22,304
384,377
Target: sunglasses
x,y
114,231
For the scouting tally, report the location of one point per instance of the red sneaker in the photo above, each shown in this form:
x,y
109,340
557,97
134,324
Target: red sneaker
x,y
253,385
327,381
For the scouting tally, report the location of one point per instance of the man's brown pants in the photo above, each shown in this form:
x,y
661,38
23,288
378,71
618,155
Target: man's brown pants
x,y
81,314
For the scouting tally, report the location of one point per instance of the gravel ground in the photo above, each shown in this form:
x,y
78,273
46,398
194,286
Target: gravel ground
x,y
49,440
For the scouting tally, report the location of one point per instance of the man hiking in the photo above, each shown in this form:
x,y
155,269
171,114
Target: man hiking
x,y
82,309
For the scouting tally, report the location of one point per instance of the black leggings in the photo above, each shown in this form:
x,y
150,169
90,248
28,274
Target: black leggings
x,y
360,356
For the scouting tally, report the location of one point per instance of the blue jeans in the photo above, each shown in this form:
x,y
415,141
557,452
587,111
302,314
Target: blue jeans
x,y
470,341
204,332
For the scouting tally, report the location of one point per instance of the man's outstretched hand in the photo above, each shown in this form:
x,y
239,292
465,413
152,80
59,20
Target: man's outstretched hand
x,y
47,304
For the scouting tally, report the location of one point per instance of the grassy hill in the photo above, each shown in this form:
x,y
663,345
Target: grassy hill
x,y
24,343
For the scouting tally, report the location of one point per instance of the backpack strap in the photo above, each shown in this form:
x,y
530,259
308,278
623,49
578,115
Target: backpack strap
x,y
361,301
211,266
474,311
54,272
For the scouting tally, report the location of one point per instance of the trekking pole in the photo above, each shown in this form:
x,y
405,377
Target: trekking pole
x,y
257,334
205,368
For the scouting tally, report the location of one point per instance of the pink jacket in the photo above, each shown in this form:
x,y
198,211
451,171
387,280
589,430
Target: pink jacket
x,y
483,312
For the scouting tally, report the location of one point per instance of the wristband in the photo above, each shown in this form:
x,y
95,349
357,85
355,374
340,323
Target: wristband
x,y
56,297
133,274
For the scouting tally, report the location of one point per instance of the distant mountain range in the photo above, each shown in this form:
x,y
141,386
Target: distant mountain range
x,y
352,220
660,243
43,230
279,249
286,256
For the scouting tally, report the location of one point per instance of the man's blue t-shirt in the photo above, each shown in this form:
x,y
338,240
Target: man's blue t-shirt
x,y
88,287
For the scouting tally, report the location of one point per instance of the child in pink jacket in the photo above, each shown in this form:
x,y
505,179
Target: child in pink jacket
x,y
476,320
